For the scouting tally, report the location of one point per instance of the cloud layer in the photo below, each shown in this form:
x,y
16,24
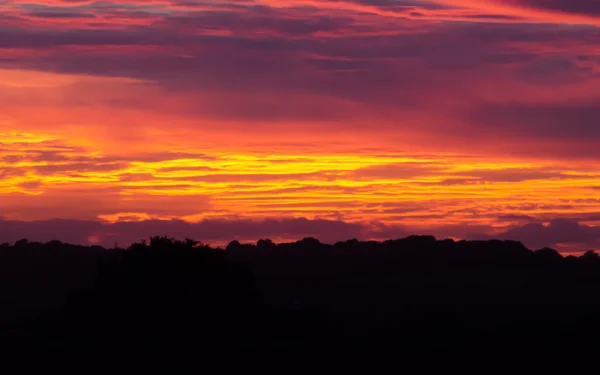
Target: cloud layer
x,y
393,113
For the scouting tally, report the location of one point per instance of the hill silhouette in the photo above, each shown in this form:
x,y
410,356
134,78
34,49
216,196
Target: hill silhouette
x,y
163,300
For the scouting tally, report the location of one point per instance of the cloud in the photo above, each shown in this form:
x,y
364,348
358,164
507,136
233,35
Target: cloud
x,y
511,174
560,11
208,231
406,113
563,234
517,218
556,233
584,7
566,122
261,82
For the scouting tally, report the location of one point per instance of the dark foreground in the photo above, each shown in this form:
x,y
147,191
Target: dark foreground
x,y
173,304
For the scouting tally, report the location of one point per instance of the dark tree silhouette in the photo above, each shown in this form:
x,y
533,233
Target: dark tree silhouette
x,y
165,299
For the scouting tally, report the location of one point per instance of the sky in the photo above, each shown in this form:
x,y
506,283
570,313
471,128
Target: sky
x,y
283,119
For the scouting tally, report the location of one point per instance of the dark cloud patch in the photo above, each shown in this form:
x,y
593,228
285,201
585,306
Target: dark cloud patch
x,y
533,234
517,218
403,3
60,14
73,231
7,173
262,20
514,174
257,65
492,17
78,167
209,231
88,201
555,233
553,70
568,121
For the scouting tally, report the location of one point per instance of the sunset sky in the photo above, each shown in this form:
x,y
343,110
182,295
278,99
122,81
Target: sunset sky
x,y
282,119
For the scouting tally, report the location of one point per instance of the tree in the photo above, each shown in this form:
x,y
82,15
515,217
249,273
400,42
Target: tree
x,y
233,245
265,244
22,243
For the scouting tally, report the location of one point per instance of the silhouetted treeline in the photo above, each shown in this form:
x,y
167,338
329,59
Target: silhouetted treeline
x,y
411,296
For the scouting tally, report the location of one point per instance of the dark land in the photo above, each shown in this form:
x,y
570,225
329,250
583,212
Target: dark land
x,y
166,304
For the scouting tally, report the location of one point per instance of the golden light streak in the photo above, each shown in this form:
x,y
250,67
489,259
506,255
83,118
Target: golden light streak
x,y
357,188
